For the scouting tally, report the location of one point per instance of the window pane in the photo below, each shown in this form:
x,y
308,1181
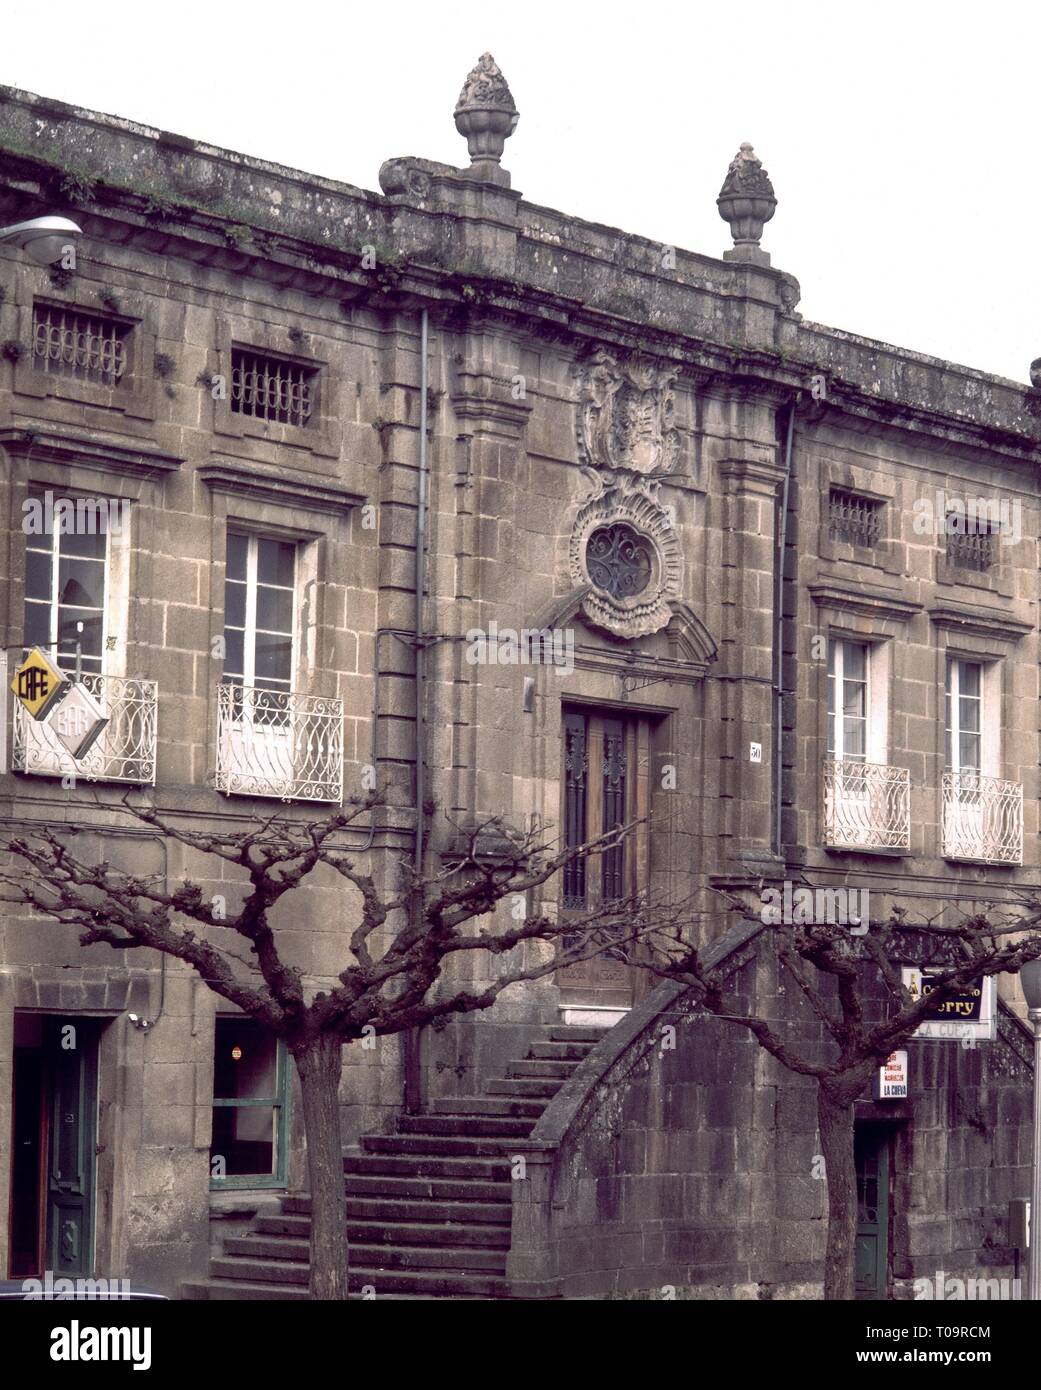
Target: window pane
x,y
37,625
38,575
84,544
245,1061
274,609
234,604
831,734
245,1140
233,653
853,699
273,657
854,739
275,562
81,583
969,748
236,557
854,659
969,712
89,639
969,677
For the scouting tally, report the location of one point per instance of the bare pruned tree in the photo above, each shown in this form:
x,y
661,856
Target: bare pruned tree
x,y
399,944
852,985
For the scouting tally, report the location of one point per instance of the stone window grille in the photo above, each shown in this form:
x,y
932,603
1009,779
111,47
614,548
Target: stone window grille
x,y
972,549
88,347
272,389
854,519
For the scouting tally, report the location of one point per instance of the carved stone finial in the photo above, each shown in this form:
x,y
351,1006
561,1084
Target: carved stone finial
x,y
747,202
1035,373
487,115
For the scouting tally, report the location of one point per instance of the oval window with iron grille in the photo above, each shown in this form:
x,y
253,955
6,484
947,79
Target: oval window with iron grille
x,y
619,560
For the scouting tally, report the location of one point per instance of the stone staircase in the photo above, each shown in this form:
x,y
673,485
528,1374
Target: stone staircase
x,y
428,1207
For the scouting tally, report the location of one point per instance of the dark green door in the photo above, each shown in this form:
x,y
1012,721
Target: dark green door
x,y
871,1257
71,1049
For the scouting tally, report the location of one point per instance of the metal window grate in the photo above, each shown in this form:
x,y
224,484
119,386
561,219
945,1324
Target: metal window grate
x,y
85,346
576,768
972,549
854,519
268,388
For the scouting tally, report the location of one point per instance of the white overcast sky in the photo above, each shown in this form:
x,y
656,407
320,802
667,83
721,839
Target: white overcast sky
x,y
903,137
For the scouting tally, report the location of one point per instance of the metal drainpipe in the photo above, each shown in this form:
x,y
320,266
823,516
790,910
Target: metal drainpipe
x,y
413,1072
782,540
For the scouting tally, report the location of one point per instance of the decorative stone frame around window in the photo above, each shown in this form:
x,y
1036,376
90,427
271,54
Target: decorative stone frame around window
x,y
864,527
854,519
958,556
133,393
240,338
640,548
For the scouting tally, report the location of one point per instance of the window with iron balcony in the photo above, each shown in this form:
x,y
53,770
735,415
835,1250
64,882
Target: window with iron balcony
x,y
867,802
273,740
982,814
76,609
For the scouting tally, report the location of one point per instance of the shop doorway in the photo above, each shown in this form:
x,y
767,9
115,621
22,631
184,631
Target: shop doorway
x,y
54,1137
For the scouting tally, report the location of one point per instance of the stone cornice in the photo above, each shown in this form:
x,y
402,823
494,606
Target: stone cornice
x,y
978,621
296,489
156,193
862,599
53,444
764,473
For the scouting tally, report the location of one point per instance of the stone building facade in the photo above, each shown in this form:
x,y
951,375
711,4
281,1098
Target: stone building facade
x,y
725,519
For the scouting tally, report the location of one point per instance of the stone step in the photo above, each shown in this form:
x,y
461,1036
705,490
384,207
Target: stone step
x,y
265,1270
393,1187
240,1290
228,1289
417,1282
523,1086
562,1032
490,1105
561,1051
381,1229
456,1241
471,1126
541,1067
379,1208
434,1257
426,1166
459,1145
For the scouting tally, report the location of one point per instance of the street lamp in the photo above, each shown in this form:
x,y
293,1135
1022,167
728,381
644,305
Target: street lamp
x,y
42,238
1030,979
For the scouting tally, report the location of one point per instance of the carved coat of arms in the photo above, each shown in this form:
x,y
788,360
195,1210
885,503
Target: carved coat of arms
x,y
626,416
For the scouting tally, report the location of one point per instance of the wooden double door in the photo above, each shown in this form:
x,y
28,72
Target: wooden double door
x,y
54,1136
605,783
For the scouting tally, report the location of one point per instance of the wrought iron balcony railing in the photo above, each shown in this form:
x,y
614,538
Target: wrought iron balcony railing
x,y
125,751
867,806
982,818
279,743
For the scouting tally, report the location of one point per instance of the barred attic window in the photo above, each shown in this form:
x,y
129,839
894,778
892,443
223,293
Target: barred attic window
x,y
854,519
88,347
269,388
971,549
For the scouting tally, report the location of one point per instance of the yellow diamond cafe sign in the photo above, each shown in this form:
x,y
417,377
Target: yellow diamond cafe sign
x,y
39,684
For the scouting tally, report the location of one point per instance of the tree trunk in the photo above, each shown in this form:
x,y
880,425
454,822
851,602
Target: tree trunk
x,y
318,1065
835,1121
